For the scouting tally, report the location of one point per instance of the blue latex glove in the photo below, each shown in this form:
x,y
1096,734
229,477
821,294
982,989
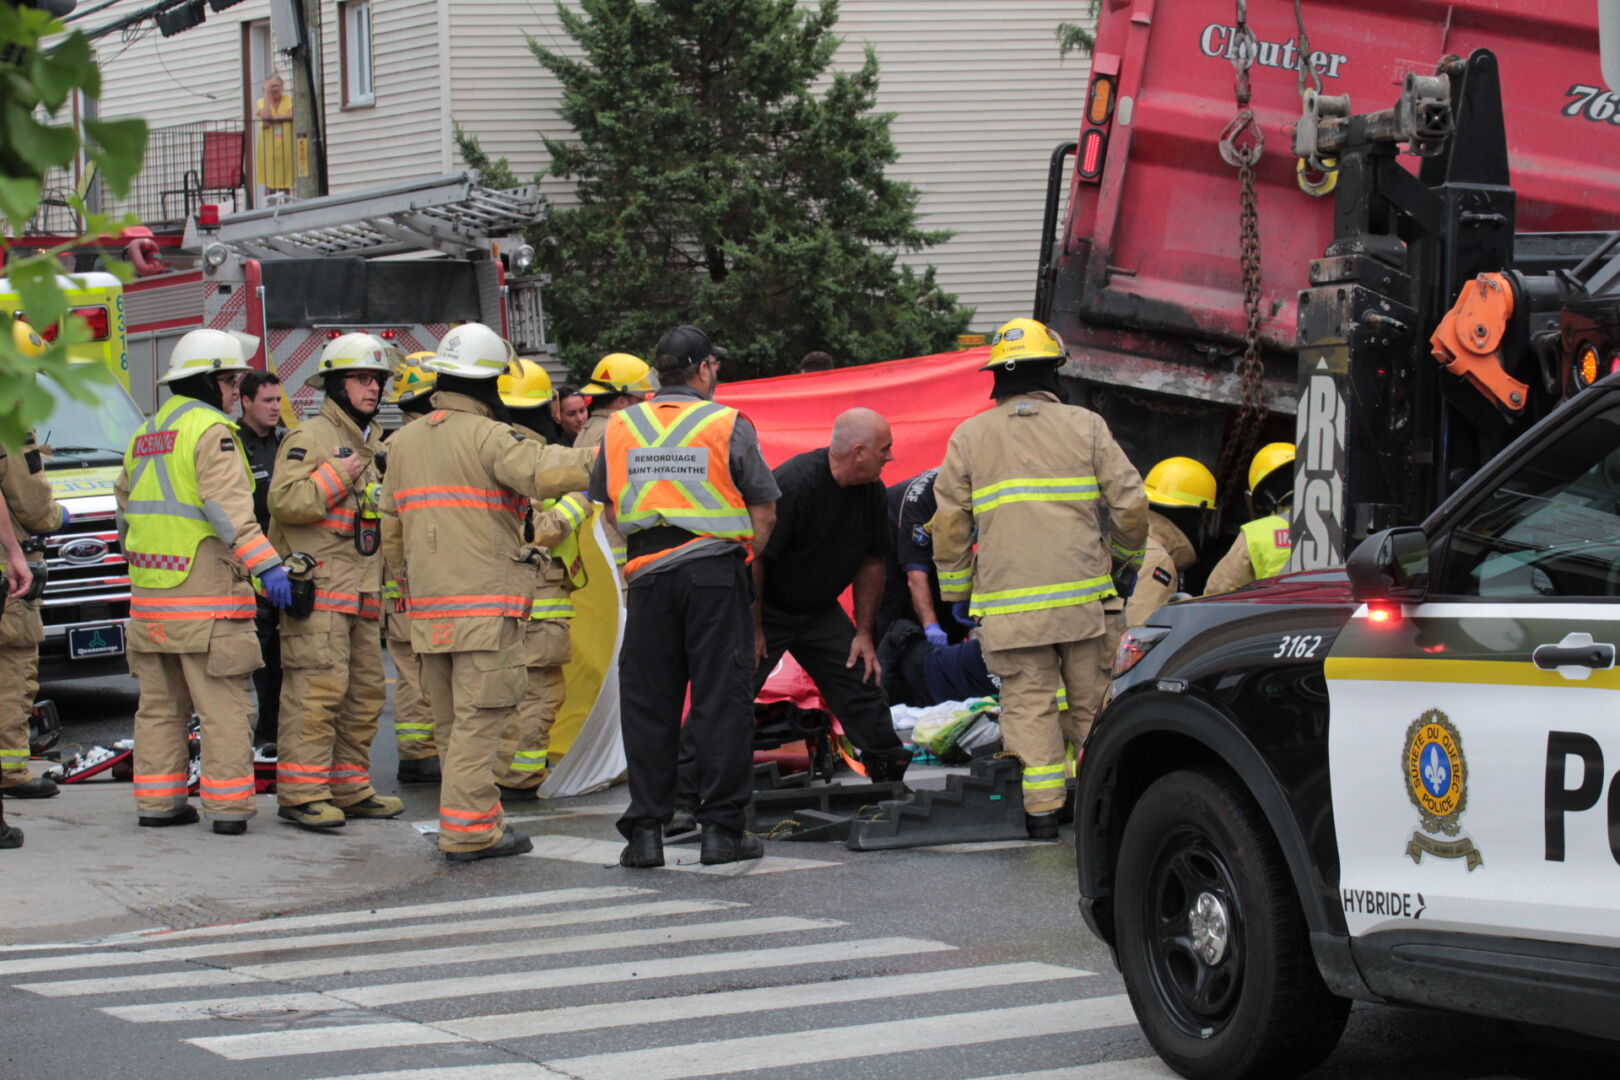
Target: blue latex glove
x,y
935,635
1125,580
277,589
959,612
66,519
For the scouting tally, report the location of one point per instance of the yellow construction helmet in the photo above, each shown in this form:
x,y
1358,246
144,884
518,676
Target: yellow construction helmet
x,y
1180,481
413,380
526,385
28,343
618,373
1267,460
1024,339
351,353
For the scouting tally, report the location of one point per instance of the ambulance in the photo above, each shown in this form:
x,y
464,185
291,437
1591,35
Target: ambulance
x,y
86,601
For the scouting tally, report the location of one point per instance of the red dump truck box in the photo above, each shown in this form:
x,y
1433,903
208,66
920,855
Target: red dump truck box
x,y
1146,283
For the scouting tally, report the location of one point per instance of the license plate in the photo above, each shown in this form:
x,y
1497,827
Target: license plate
x,y
92,642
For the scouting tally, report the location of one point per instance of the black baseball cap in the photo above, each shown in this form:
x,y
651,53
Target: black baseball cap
x,y
683,347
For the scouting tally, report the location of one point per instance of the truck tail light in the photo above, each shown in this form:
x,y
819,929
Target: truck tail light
x,y
1100,106
1587,368
96,319
1134,645
1092,144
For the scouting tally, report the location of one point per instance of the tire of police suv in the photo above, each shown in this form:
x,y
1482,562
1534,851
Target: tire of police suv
x,y
1211,937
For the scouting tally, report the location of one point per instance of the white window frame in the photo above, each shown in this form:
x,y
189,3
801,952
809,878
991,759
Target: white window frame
x,y
359,71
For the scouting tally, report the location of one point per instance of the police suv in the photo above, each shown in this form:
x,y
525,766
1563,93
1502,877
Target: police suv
x,y
1394,781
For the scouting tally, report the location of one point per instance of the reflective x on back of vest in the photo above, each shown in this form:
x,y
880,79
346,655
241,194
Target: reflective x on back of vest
x,y
669,464
165,511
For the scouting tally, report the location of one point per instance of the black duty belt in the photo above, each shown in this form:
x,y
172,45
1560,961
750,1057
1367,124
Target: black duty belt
x,y
658,538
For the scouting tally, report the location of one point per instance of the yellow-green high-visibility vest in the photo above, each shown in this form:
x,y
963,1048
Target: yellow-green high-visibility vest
x,y
166,516
1270,544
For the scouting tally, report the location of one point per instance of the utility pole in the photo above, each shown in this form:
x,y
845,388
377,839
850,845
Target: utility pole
x,y
309,135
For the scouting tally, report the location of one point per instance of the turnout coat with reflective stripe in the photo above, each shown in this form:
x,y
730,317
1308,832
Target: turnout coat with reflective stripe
x,y
454,505
553,525
34,511
185,503
314,508
669,463
1031,478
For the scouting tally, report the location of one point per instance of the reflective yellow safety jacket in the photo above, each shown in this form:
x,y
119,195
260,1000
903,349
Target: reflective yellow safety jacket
x,y
1030,478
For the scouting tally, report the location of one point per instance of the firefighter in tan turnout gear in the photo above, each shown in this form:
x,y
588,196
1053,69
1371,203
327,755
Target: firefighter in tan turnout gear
x,y
455,501
526,743
323,503
413,720
1030,477
1176,487
1263,546
185,503
31,512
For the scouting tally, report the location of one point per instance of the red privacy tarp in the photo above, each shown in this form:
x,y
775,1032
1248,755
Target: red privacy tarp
x,y
924,398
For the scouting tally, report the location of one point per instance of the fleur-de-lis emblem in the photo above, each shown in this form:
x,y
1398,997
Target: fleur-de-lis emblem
x,y
1435,771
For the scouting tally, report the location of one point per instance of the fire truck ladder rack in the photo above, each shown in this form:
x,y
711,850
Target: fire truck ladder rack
x,y
451,213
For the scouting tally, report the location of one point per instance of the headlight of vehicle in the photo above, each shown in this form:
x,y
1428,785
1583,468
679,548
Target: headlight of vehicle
x,y
1134,645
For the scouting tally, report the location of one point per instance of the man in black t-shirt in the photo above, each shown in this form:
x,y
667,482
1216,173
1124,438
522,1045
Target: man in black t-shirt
x,y
832,533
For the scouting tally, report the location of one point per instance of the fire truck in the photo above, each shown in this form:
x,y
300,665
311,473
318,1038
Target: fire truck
x,y
405,262
1243,257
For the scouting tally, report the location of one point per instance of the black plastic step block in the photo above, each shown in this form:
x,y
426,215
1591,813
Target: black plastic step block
x,y
986,804
768,777
770,808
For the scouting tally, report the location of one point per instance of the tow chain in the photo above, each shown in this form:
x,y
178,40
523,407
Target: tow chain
x,y
1241,145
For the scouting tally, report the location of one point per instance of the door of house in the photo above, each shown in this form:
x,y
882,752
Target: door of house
x,y
258,61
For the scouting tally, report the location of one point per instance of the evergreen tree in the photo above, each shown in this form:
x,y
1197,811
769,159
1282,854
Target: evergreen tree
x,y
722,180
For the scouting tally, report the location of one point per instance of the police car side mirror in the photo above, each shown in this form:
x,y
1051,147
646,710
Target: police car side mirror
x,y
1390,565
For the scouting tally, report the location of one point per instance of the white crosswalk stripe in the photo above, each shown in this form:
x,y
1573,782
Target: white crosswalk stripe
x,y
684,859
305,989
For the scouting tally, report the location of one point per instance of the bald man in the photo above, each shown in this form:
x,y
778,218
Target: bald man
x,y
831,533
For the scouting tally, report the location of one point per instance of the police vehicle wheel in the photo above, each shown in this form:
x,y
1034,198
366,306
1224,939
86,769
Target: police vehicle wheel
x,y
1211,937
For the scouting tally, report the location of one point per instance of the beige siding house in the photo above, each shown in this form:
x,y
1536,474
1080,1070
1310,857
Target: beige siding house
x,y
979,93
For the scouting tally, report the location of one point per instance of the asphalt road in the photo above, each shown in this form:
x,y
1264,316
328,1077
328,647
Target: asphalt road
x,y
819,962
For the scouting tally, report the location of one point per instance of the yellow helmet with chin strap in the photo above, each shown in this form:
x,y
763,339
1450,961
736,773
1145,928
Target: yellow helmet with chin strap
x,y
618,373
1180,481
526,385
1024,339
413,380
1267,460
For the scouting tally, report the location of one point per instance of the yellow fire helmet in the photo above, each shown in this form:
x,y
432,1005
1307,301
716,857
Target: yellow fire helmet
x,y
352,353
1024,339
526,385
618,373
1180,481
1267,460
413,380
28,343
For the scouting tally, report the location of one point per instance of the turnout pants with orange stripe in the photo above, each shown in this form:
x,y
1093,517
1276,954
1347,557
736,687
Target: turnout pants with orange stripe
x,y
213,682
332,694
472,695
526,743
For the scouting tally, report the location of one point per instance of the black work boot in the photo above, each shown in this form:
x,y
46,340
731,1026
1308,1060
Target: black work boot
x,y
721,845
510,843
519,794
186,816
421,771
646,847
683,820
231,827
888,767
1042,826
37,788
10,835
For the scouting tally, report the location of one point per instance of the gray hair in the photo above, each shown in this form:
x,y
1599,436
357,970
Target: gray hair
x,y
854,427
